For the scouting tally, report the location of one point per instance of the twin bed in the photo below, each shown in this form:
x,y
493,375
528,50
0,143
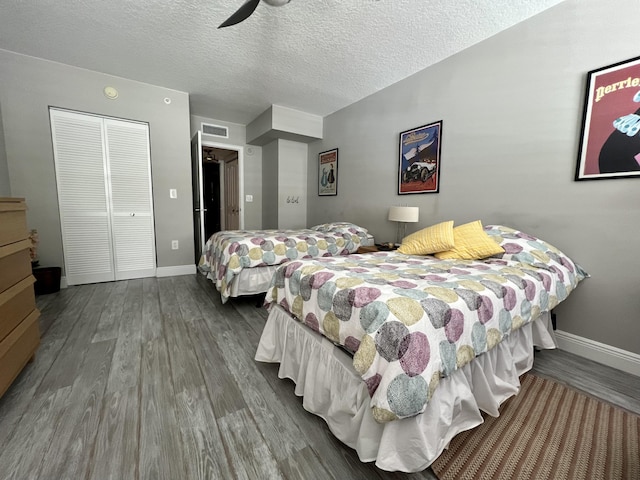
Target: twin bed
x,y
242,262
399,353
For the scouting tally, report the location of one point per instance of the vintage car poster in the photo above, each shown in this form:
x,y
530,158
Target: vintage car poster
x,y
419,163
328,172
610,142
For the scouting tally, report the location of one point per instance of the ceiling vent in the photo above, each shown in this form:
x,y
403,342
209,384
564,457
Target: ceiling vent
x,y
215,130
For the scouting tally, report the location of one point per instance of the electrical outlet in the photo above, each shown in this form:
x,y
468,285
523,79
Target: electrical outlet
x,y
173,193
249,198
174,244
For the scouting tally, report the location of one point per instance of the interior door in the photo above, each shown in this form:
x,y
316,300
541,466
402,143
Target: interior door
x,y
212,198
231,194
198,201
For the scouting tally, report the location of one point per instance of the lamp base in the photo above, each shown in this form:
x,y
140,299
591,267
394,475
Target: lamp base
x,y
401,233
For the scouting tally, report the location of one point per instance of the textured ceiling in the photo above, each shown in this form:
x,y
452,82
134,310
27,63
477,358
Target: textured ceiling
x,y
312,55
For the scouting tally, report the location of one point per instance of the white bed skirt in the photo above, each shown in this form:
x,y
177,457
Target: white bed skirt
x,y
331,388
251,281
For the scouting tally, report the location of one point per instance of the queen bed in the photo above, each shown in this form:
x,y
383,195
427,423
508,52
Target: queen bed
x,y
399,353
242,262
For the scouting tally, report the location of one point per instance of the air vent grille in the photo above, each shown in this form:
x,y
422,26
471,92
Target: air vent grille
x,y
215,130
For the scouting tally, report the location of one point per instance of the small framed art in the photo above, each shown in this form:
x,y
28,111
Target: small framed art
x,y
328,173
419,162
610,138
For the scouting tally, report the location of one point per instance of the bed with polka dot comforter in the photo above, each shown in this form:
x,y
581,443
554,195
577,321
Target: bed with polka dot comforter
x,y
410,320
227,253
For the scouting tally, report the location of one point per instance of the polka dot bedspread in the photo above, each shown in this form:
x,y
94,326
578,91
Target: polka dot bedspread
x,y
410,320
226,253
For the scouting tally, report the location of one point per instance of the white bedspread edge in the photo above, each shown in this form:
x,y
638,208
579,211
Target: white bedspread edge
x,y
330,387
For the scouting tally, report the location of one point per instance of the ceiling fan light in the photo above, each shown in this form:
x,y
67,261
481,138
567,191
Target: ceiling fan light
x,y
276,3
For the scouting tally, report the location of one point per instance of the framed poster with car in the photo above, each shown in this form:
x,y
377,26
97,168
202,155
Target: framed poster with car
x,y
419,162
610,138
328,173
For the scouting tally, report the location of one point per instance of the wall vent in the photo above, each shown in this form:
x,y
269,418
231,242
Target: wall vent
x,y
215,130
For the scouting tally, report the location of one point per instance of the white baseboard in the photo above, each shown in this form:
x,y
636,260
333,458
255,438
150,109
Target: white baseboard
x,y
160,272
175,271
599,352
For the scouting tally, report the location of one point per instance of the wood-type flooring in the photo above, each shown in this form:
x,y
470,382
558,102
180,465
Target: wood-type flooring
x,y
155,379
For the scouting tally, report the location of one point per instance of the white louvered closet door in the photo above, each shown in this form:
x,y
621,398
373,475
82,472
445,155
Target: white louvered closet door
x,y
104,190
132,209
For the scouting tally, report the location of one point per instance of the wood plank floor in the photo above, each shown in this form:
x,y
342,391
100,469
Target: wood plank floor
x,y
155,379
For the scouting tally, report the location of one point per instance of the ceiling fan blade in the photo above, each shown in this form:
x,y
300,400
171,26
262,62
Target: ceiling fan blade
x,y
241,14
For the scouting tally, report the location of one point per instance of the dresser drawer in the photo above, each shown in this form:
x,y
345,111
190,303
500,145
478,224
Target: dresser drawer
x,y
16,304
17,348
13,219
15,263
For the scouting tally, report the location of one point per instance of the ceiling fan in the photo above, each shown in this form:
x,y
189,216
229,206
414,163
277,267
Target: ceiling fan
x,y
247,9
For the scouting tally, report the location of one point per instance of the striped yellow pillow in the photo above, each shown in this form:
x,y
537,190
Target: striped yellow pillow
x,y
471,243
435,238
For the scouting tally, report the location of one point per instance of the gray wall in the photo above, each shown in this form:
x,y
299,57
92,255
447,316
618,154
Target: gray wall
x,y
270,214
5,187
292,184
28,86
252,168
512,108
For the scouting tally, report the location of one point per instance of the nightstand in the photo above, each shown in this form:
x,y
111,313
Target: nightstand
x,y
367,249
375,248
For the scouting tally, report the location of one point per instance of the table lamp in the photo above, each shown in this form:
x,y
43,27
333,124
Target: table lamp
x,y
403,215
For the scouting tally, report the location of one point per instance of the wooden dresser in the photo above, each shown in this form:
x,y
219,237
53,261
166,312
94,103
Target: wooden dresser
x,y
19,330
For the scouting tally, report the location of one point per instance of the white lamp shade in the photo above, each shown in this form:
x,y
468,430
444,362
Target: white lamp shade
x,y
404,214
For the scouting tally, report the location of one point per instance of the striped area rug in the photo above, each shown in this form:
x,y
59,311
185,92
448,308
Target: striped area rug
x,y
547,431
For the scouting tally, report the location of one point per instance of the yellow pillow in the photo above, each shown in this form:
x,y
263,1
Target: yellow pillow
x,y
471,243
435,238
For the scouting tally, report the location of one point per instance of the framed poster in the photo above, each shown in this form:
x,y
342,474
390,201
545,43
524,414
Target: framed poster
x,y
328,172
610,138
419,162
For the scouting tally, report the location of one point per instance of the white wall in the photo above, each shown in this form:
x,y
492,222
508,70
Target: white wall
x,y
512,108
5,187
29,86
252,168
292,184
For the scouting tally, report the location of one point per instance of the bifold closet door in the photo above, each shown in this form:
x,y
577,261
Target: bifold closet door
x,y
104,191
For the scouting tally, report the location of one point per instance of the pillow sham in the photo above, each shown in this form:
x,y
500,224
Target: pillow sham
x,y
524,248
345,229
435,238
339,227
471,243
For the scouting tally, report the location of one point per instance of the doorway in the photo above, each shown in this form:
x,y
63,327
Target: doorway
x,y
220,185
217,190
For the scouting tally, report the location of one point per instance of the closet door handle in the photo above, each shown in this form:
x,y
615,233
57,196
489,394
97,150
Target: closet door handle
x,y
133,214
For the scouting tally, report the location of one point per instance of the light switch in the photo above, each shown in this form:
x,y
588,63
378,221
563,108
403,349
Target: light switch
x,y
173,193
249,198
